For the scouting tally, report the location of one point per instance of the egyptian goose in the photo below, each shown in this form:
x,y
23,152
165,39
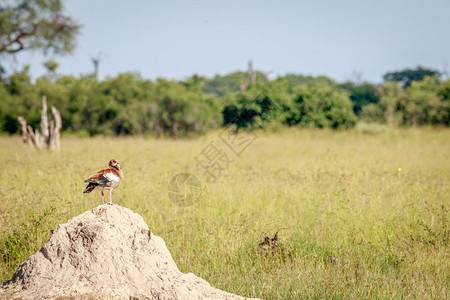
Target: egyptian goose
x,y
107,179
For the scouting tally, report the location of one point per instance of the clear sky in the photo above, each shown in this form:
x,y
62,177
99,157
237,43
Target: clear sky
x,y
175,39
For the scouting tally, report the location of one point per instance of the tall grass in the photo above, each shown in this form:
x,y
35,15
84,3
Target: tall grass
x,y
358,216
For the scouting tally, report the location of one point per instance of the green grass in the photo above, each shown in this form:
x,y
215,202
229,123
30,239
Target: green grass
x,y
379,203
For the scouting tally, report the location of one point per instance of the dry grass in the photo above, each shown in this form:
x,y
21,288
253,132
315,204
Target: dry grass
x,y
360,216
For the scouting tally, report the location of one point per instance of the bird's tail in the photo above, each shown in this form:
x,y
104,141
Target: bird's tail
x,y
90,187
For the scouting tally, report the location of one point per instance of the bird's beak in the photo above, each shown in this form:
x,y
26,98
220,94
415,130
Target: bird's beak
x,y
118,166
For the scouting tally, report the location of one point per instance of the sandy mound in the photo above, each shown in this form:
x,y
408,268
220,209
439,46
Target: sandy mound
x,y
105,253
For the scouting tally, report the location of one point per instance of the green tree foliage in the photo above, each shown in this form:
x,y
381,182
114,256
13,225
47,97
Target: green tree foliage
x,y
317,105
361,94
422,104
444,95
126,104
182,110
321,106
444,90
36,24
129,104
18,97
51,65
407,76
258,106
295,80
392,93
373,113
221,85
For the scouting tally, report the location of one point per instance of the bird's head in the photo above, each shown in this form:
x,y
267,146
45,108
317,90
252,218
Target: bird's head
x,y
114,164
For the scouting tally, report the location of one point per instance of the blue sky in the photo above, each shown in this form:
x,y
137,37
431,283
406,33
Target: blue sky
x,y
175,39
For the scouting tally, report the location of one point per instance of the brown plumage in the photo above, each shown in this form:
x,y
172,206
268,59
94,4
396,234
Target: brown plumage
x,y
106,179
270,243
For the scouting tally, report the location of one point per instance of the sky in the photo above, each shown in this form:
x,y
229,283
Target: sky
x,y
342,39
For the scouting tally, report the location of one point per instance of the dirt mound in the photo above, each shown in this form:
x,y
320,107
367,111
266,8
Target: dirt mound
x,y
106,253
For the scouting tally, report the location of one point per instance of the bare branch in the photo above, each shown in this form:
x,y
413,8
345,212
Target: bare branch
x,y
18,40
23,124
44,120
56,135
50,136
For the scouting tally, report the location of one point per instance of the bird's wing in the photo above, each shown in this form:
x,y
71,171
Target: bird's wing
x,y
104,177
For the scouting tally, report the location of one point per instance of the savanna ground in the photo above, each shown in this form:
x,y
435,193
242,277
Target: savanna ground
x,y
360,216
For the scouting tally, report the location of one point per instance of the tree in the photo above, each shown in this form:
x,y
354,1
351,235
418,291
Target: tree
x,y
36,24
295,80
444,95
49,136
392,94
321,107
260,105
222,85
51,65
185,110
444,90
361,95
374,112
407,76
422,105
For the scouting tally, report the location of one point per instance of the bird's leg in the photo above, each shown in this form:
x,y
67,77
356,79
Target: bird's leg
x,y
103,198
110,197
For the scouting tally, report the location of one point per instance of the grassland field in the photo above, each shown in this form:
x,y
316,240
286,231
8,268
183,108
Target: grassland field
x,y
359,216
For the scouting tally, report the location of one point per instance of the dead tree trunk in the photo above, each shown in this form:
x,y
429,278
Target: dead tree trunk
x,y
175,129
250,77
49,137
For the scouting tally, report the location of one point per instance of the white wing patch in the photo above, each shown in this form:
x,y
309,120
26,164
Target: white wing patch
x,y
111,177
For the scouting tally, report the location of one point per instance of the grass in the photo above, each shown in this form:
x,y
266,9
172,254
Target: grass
x,y
360,216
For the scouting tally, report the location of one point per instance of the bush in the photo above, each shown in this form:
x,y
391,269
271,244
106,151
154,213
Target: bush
x,y
422,105
257,107
322,107
373,113
361,95
128,104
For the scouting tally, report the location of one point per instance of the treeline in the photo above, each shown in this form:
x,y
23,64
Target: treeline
x,y
130,104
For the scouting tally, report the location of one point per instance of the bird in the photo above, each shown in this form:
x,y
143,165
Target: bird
x,y
269,242
106,179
